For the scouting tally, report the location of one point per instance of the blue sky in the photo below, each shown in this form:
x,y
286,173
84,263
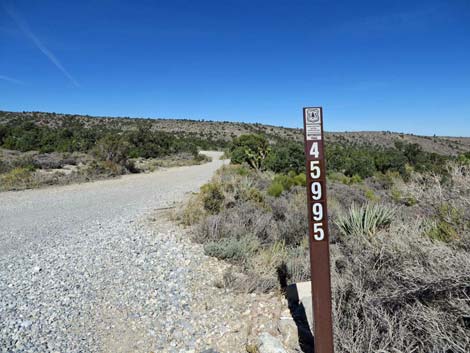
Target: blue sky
x,y
373,65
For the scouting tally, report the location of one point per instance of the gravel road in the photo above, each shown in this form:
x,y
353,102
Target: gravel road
x,y
82,269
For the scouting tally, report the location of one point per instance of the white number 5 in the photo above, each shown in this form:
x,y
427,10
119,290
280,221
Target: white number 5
x,y
315,169
318,233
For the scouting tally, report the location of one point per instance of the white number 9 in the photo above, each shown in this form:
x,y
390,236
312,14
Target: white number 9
x,y
316,190
317,210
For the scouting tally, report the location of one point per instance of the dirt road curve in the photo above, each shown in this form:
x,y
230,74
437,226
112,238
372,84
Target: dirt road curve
x,y
80,271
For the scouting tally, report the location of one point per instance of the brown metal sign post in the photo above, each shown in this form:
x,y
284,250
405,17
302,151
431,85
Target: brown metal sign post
x,y
318,229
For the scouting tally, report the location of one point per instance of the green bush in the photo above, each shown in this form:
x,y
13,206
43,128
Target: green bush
x,y
237,250
396,195
16,179
442,231
251,149
341,178
285,157
74,136
253,194
370,195
212,197
387,179
447,224
283,182
275,189
242,171
366,160
410,201
355,179
112,148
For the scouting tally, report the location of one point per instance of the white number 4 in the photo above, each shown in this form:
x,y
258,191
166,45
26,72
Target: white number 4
x,y
314,150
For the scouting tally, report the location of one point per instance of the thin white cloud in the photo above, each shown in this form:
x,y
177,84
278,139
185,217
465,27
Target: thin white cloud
x,y
12,80
50,55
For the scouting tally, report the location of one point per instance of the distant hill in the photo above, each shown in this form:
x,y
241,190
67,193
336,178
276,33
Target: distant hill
x,y
226,130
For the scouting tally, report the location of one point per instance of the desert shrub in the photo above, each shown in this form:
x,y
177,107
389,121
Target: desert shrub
x,y
464,159
283,182
235,250
365,220
410,201
341,178
275,189
442,231
298,263
350,160
17,179
400,293
366,160
370,195
390,160
112,148
192,213
4,167
268,259
100,169
241,170
394,290
212,198
387,180
396,195
447,224
251,149
253,194
355,179
277,224
73,135
289,213
285,157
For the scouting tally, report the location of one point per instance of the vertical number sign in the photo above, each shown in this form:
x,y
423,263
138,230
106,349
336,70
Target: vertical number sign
x,y
318,229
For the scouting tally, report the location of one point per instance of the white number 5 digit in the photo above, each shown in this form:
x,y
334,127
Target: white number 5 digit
x,y
318,233
315,169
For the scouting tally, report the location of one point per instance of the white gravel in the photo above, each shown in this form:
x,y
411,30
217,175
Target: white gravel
x,y
81,271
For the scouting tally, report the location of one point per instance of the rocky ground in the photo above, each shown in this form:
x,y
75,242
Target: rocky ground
x,y
98,267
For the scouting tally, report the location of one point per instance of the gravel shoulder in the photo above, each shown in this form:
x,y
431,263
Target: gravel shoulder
x,y
95,268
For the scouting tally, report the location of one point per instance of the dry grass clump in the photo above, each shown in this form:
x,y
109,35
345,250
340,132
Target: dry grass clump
x,y
401,292
17,179
445,203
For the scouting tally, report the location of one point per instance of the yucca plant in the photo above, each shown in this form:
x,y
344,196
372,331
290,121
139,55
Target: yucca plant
x,y
366,219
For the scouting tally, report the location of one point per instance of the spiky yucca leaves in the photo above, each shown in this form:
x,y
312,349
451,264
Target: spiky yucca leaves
x,y
366,219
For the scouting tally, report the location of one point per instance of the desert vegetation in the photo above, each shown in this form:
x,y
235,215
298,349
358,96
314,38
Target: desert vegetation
x,y
38,148
399,231
33,155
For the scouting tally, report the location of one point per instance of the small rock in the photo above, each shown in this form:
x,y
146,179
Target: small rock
x,y
26,324
289,332
37,269
269,344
